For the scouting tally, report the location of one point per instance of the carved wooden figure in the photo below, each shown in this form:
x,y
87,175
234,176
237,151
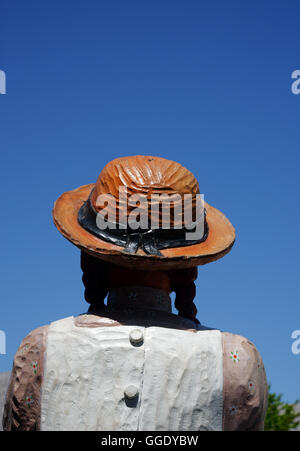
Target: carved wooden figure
x,y
131,364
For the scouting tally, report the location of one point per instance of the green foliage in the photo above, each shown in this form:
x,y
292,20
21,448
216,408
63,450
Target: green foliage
x,y
280,416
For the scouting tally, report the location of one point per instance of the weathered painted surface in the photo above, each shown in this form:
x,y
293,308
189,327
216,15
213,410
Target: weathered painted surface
x,y
88,355
173,380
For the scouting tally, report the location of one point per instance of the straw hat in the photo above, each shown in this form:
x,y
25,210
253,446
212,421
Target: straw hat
x,y
77,214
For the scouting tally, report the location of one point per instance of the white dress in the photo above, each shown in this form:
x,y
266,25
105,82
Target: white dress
x,y
100,379
137,368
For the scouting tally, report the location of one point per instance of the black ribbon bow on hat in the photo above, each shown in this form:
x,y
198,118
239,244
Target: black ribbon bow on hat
x,y
142,240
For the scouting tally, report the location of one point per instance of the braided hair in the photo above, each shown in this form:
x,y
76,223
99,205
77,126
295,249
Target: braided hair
x,y
183,284
96,282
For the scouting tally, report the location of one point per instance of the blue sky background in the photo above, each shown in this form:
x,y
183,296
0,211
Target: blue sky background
x,y
206,83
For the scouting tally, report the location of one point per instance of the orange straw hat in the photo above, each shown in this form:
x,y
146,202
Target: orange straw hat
x,y
77,214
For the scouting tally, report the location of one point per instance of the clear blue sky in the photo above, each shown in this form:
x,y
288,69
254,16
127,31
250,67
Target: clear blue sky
x,y
205,83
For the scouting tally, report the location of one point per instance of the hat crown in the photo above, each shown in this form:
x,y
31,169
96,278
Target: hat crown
x,y
146,176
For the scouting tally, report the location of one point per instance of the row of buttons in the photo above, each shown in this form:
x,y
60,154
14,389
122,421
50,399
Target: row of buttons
x,y
136,338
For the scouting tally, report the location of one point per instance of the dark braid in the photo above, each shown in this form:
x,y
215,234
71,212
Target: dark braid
x,y
95,280
183,283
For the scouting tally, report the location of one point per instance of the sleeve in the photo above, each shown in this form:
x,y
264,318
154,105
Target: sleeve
x,y
245,390
22,406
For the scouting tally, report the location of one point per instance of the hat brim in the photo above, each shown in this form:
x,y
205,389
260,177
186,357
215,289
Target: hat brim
x,y
220,238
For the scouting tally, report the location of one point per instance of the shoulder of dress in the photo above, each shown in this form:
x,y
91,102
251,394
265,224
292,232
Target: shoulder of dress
x,y
238,349
22,406
243,344
33,339
92,321
245,385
